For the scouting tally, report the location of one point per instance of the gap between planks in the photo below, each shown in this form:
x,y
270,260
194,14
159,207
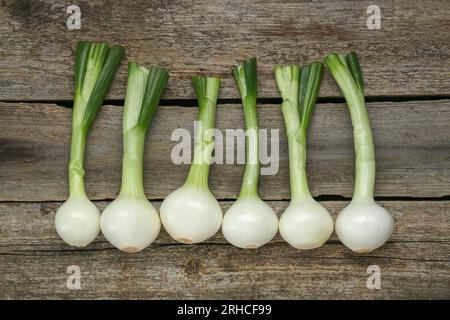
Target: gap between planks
x,y
261,101
320,198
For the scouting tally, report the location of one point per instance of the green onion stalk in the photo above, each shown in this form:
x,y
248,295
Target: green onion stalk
x,y
77,220
130,222
249,223
191,214
305,224
363,225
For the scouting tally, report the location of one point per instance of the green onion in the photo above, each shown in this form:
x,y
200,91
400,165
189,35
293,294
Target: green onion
x,y
249,222
305,224
191,214
363,225
77,220
131,222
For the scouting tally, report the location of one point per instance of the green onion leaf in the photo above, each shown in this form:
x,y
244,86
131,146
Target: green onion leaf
x,y
156,83
80,65
95,67
206,89
310,78
352,63
104,80
94,63
245,77
347,74
144,90
134,97
288,78
345,79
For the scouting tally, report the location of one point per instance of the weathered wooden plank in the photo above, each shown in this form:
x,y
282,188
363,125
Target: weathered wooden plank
x,y
412,139
407,56
414,264
225,272
26,226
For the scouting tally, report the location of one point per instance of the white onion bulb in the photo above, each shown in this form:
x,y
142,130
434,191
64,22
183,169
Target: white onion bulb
x,y
249,223
130,224
190,214
364,226
306,224
77,221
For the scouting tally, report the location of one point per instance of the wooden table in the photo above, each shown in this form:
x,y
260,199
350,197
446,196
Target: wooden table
x,y
406,65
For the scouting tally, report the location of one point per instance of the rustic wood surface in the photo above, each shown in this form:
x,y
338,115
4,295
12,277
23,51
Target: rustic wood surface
x,y
405,66
412,139
409,55
415,263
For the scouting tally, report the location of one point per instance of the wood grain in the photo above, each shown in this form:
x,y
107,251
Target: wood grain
x,y
409,55
414,263
412,141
